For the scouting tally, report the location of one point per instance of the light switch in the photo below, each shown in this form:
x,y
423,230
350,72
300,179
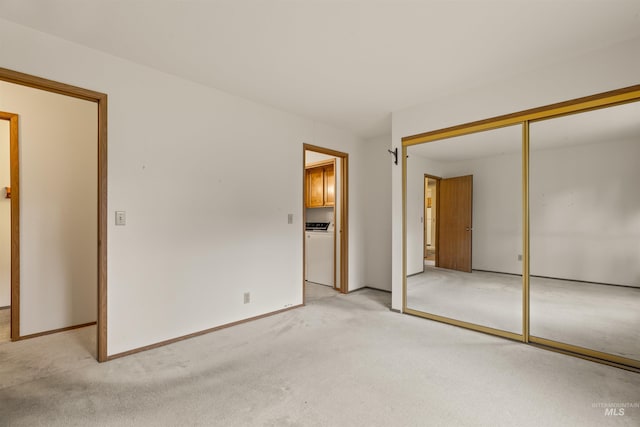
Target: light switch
x,y
290,219
121,218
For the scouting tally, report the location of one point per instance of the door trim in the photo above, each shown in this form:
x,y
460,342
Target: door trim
x,y
344,215
101,100
14,166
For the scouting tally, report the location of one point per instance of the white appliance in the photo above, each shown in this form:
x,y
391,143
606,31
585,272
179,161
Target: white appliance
x,y
319,253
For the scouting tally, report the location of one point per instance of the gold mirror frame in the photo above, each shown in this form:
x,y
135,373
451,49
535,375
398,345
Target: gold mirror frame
x,y
523,118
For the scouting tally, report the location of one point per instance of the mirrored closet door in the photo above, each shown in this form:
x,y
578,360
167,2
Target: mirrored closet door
x,y
464,230
585,230
527,226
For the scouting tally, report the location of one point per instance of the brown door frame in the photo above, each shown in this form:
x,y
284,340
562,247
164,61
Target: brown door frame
x,y
101,100
15,221
424,215
343,234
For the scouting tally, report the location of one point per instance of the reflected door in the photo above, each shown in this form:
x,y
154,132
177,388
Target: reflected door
x,y
455,216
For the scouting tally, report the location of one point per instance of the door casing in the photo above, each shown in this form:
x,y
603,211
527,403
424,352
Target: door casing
x,y
343,233
437,211
14,165
101,209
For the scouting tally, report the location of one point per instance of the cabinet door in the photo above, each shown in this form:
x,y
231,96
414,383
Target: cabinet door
x,y
315,188
329,186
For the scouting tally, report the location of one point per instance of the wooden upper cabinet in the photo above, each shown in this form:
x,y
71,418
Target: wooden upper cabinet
x,y
329,185
315,188
321,186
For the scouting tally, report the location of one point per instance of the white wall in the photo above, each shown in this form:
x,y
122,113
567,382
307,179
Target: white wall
x,y
189,165
313,157
377,204
5,217
598,71
585,212
320,215
58,207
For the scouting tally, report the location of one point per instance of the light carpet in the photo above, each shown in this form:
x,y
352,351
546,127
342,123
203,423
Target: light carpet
x,y
345,360
5,325
599,317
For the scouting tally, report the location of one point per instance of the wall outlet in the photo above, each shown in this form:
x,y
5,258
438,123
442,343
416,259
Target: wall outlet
x,y
519,257
247,297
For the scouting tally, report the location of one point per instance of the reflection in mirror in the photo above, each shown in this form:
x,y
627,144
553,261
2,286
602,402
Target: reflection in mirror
x,y
464,228
585,230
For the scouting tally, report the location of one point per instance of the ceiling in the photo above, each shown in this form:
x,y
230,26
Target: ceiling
x,y
347,63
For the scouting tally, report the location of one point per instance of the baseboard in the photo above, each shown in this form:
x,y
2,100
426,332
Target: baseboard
x,y
368,287
377,289
559,278
498,272
54,331
585,281
197,334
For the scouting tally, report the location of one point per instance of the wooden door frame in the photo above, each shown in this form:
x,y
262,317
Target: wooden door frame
x,y
344,215
14,180
101,100
424,215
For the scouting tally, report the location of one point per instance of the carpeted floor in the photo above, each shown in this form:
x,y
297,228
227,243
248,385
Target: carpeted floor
x,y
599,317
315,291
431,254
345,360
5,324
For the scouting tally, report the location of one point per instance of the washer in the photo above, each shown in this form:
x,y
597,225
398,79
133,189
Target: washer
x,y
319,254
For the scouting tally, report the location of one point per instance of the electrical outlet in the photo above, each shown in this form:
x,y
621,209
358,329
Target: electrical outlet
x,y
247,297
519,257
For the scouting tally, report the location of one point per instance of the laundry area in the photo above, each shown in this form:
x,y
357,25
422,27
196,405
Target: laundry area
x,y
322,206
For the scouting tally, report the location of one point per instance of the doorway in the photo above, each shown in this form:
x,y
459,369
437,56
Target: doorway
x,y
447,222
8,219
431,189
100,100
325,209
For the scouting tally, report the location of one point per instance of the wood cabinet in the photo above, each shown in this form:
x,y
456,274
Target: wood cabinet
x,y
315,187
321,185
329,185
